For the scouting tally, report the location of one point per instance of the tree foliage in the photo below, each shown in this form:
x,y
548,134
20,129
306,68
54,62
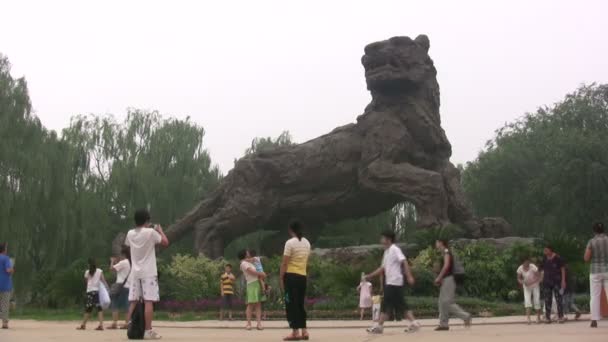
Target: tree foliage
x,y
64,198
548,171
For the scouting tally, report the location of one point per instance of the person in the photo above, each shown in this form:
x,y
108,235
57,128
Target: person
x,y
447,290
94,279
528,278
120,299
227,289
142,242
394,267
365,296
596,254
554,283
7,270
254,290
253,257
293,279
568,298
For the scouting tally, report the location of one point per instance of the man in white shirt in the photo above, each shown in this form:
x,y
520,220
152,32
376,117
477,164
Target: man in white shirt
x,y
143,279
394,267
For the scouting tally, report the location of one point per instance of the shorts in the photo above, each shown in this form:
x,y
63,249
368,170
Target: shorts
x,y
254,293
146,289
394,301
120,302
227,301
92,302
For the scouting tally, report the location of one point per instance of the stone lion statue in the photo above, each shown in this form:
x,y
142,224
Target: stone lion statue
x,y
395,152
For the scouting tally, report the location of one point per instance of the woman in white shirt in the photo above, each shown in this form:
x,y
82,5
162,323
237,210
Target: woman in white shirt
x,y
120,289
529,279
94,279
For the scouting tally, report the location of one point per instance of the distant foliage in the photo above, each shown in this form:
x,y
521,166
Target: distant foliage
x,y
547,171
269,143
64,198
188,278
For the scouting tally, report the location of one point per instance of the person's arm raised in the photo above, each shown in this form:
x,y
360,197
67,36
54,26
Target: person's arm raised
x,y
164,241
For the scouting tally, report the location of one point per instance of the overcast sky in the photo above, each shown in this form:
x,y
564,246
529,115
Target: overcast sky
x,y
255,68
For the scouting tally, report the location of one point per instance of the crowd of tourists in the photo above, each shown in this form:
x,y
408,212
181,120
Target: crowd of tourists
x,y
137,282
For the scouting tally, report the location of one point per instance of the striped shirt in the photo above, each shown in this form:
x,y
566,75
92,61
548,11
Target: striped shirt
x,y
599,253
227,284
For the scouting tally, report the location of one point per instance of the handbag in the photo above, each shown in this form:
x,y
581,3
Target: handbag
x,y
137,325
116,288
104,297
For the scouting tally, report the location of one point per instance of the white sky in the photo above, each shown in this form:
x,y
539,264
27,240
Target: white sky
x,y
255,68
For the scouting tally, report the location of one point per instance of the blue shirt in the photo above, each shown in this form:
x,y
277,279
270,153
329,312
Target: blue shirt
x,y
6,283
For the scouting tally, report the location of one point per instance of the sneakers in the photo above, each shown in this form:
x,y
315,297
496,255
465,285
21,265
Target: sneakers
x,y
376,329
442,328
152,335
414,327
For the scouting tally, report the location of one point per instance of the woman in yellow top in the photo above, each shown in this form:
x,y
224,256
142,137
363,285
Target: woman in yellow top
x,y
293,281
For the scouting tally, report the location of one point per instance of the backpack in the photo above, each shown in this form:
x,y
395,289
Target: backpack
x,y
137,326
458,271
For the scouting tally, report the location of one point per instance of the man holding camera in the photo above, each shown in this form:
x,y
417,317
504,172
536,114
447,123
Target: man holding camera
x,y
142,241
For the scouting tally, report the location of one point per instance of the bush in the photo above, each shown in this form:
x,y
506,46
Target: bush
x,y
189,278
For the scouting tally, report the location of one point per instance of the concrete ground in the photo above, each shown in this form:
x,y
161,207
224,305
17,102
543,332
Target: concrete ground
x,y
501,329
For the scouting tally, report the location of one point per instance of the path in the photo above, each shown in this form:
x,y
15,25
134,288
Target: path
x,y
507,329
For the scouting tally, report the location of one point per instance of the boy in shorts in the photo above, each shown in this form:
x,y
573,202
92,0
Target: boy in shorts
x,y
227,288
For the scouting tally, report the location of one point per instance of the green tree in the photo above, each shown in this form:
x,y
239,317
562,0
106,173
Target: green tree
x,y
261,144
548,171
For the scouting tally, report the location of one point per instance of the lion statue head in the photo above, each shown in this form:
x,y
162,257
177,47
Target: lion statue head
x,y
398,64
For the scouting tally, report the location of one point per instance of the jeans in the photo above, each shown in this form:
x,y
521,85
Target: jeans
x,y
550,291
5,303
295,294
596,281
447,304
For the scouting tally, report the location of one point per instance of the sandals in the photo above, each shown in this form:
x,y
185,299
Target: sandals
x,y
248,327
81,327
305,337
260,328
99,328
293,338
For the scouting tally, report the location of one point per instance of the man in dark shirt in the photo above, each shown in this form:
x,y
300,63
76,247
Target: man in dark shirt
x,y
554,282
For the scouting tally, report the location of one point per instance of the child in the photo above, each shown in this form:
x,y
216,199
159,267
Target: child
x,y
376,307
254,289
529,278
365,295
257,262
94,279
227,289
